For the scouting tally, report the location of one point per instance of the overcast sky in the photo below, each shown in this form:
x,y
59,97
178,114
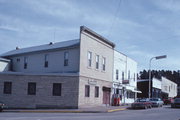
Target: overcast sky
x,y
141,29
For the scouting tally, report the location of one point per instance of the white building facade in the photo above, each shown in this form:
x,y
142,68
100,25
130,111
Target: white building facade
x,y
169,87
124,78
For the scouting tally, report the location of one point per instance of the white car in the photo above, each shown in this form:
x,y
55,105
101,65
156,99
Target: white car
x,y
156,102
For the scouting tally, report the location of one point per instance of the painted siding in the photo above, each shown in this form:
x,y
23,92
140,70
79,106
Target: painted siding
x,y
35,62
169,87
4,66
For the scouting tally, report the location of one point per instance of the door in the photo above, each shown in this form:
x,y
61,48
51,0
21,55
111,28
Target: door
x,y
106,95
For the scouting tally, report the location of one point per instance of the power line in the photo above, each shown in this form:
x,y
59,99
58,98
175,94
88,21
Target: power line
x,y
115,17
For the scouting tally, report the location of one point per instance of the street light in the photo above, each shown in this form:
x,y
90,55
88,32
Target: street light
x,y
157,57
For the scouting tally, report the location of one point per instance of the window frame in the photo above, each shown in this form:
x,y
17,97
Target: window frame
x,y
66,58
97,62
46,60
87,90
57,89
96,89
117,74
7,88
31,88
25,62
103,64
89,56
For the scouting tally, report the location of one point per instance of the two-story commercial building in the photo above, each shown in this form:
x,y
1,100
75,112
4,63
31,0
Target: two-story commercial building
x,y
124,78
68,74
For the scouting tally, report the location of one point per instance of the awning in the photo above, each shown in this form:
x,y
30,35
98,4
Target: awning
x,y
137,91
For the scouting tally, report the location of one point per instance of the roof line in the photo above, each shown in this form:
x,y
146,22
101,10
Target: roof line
x,y
89,31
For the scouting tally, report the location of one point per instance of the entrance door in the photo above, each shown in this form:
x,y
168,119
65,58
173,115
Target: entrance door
x,y
106,95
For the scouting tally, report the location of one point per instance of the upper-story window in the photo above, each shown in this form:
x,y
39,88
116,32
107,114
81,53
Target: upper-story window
x,y
97,61
25,62
117,74
89,59
122,75
103,63
129,75
134,76
46,59
66,58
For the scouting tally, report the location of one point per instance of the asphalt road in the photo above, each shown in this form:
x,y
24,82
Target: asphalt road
x,y
165,113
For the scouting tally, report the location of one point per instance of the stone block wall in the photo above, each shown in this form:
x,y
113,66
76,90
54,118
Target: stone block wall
x,y
44,87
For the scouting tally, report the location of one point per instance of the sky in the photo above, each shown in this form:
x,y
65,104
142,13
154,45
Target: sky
x,y
141,29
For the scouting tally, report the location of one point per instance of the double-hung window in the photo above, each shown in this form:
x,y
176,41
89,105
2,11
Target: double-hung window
x,y
103,63
46,59
66,58
122,75
117,74
97,61
89,59
25,62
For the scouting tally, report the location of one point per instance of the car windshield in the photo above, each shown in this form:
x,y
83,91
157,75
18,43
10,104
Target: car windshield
x,y
153,99
141,100
177,100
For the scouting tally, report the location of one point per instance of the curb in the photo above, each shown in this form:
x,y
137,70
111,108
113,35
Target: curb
x,y
63,111
114,110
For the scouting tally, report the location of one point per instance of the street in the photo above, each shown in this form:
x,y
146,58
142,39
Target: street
x,y
164,113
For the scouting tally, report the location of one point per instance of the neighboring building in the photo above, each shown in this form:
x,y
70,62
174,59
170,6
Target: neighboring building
x,y
124,78
160,88
178,91
4,64
143,86
169,88
68,74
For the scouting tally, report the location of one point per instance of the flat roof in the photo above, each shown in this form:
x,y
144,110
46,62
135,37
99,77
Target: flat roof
x,y
89,31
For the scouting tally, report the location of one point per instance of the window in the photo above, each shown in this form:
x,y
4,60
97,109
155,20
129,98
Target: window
x,y
96,91
104,63
134,76
89,59
97,61
66,57
7,87
46,59
129,75
117,74
87,90
122,75
57,89
18,59
31,88
25,62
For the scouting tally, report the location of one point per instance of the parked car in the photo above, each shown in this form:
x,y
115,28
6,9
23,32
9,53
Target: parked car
x,y
1,106
141,103
167,101
156,102
175,103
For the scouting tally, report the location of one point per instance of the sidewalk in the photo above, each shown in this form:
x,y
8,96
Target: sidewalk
x,y
99,109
